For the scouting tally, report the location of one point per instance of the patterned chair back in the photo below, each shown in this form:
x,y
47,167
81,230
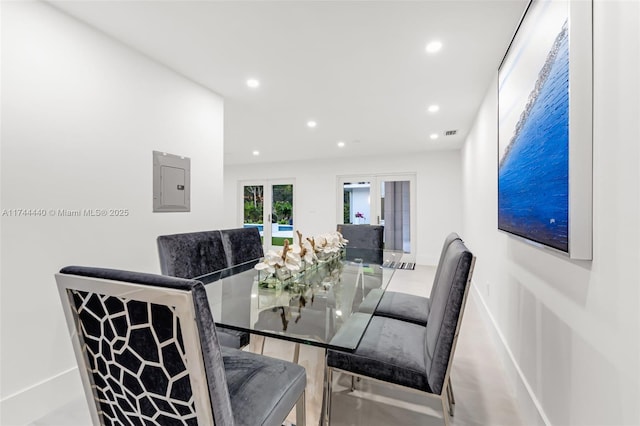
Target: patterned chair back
x,y
143,344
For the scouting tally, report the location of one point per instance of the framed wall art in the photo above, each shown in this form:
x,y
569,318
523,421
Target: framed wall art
x,y
545,128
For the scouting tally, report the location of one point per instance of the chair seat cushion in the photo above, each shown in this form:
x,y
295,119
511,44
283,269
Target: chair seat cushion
x,y
372,300
390,350
262,390
232,338
404,307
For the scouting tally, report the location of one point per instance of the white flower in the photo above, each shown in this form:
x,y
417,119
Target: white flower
x,y
320,243
288,257
294,248
271,261
341,239
310,250
309,253
293,261
330,243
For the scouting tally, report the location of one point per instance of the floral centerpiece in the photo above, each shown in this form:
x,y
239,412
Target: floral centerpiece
x,y
327,245
278,266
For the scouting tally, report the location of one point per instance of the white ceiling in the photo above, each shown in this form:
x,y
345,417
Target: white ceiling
x,y
358,68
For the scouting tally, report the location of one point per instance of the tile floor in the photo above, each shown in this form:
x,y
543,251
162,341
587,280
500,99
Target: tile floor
x,y
481,393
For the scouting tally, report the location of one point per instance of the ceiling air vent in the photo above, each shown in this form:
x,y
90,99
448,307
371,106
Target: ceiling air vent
x,y
450,132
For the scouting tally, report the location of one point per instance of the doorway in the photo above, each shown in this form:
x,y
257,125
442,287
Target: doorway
x,y
387,200
269,206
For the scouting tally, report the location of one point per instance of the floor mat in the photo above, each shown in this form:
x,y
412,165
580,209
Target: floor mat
x,y
410,266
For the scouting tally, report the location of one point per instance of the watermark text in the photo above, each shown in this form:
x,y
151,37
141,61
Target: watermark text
x,y
57,212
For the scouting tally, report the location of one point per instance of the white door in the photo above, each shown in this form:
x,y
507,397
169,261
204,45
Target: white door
x,y
387,200
269,206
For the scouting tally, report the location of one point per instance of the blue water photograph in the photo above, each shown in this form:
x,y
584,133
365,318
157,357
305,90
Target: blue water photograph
x,y
533,173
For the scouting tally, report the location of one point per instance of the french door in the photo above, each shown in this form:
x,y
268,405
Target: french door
x,y
269,206
387,200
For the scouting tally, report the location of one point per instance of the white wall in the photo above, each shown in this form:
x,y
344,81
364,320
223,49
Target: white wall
x,y
438,189
571,329
81,115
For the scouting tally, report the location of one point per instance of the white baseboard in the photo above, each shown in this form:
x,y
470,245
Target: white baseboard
x,y
529,406
38,400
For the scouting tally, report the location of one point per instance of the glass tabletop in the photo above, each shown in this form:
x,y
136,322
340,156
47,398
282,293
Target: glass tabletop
x,y
327,305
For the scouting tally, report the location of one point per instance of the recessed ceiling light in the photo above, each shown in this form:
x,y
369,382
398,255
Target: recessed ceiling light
x,y
340,144
311,124
434,46
433,136
256,153
433,108
253,83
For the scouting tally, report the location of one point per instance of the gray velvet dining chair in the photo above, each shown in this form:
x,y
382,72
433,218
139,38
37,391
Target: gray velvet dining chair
x,y
365,241
242,245
148,353
409,307
415,309
417,357
194,254
191,254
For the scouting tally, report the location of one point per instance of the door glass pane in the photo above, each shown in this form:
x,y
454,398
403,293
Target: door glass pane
x,y
254,207
395,210
282,214
357,202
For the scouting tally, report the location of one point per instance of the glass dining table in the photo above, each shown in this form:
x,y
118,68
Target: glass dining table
x,y
328,305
